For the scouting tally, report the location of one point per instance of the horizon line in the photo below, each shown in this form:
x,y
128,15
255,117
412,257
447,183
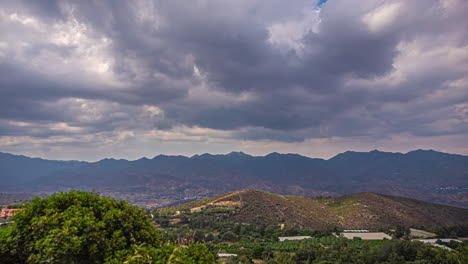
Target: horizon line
x,y
232,152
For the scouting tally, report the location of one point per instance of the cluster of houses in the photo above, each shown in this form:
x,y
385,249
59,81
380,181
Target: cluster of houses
x,y
7,213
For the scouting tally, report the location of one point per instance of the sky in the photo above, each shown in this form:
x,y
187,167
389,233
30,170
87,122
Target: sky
x,y
87,80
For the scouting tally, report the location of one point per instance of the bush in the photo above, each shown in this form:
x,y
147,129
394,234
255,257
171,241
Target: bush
x,y
229,236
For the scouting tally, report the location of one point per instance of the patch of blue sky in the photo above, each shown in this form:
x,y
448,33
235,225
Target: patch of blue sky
x,y
321,2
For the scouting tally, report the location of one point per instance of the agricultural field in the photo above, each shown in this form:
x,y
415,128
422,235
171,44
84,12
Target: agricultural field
x,y
417,233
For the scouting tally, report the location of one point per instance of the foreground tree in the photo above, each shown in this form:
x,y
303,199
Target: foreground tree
x,y
82,227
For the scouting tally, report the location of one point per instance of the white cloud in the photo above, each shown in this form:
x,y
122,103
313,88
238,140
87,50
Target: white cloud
x,y
24,20
383,16
188,134
290,33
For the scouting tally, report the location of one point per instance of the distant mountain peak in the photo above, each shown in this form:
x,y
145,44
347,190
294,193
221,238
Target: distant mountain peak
x,y
238,154
109,160
205,155
277,155
425,151
429,153
233,154
162,156
374,152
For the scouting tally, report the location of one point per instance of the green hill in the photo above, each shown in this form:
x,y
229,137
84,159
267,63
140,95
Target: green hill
x,y
355,211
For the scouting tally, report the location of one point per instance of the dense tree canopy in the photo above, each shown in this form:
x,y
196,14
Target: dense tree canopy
x,y
82,227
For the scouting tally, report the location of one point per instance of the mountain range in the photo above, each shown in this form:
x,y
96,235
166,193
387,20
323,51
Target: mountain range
x,y
422,174
356,211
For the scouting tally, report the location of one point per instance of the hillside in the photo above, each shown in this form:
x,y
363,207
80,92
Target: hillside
x,y
422,174
356,211
16,170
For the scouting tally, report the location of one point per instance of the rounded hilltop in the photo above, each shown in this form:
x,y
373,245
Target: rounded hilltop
x,y
365,210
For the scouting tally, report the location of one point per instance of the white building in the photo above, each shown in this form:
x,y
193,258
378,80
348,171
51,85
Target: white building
x,y
434,241
226,255
366,235
356,231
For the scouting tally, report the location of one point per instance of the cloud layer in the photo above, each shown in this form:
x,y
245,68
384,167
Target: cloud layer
x,y
85,80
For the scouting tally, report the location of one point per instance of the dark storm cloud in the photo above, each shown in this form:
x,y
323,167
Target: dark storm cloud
x,y
239,66
344,47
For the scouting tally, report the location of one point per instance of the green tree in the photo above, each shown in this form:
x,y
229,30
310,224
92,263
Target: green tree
x,y
229,236
82,227
239,260
402,232
199,235
282,258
